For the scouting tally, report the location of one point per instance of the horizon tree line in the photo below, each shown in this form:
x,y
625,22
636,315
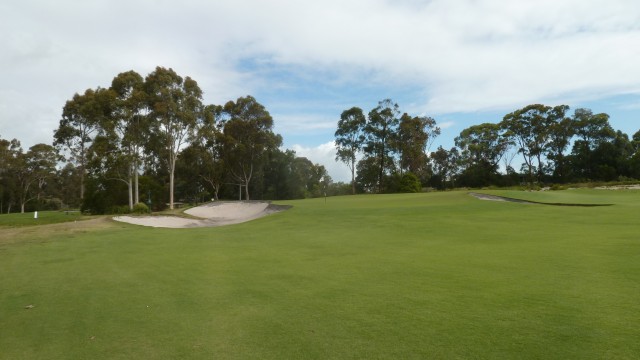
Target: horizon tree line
x,y
389,152
151,140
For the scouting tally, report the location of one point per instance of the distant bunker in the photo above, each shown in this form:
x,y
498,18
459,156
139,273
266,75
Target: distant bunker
x,y
508,199
212,214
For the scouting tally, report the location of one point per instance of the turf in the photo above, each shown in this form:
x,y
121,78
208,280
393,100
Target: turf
x,y
44,218
439,275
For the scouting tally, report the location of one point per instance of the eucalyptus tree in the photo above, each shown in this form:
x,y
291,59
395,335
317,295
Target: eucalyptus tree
x,y
530,128
445,166
207,145
560,134
10,151
350,138
591,130
414,137
635,157
107,160
247,137
32,171
175,105
128,127
481,148
82,117
381,128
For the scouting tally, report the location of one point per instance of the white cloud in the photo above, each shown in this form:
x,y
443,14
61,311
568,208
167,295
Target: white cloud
x,y
325,154
302,123
446,124
462,56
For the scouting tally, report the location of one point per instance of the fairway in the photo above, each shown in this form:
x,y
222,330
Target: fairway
x,y
417,276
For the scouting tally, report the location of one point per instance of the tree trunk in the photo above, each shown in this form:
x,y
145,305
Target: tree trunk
x,y
135,175
82,184
171,189
21,208
130,186
353,176
246,191
172,170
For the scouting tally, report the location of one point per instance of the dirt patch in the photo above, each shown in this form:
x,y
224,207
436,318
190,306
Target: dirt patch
x,y
209,215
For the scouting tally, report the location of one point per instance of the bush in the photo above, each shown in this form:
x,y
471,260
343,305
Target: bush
x,y
409,183
140,208
119,210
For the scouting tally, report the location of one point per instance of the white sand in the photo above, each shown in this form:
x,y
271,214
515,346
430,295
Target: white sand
x,y
159,221
212,214
228,210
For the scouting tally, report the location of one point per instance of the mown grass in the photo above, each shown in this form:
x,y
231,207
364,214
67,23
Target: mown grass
x,y
439,275
44,218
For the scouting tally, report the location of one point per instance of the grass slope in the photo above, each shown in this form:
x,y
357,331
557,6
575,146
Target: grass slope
x,y
440,275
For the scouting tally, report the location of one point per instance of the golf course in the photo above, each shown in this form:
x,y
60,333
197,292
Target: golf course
x,y
441,275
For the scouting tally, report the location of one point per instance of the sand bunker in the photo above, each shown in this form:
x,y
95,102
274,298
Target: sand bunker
x,y
211,214
497,198
503,198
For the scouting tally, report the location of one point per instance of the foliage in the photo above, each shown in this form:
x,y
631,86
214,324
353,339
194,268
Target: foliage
x,y
247,138
389,144
381,130
530,129
350,138
175,107
81,119
140,208
481,148
406,183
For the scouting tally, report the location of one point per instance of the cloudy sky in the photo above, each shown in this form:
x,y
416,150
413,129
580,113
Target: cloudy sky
x,y
462,62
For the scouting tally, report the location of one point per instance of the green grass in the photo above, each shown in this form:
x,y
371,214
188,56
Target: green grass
x,y
44,218
574,197
438,275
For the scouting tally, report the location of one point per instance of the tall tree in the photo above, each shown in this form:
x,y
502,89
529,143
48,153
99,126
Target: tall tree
x,y
592,130
33,169
81,119
207,145
247,136
445,166
10,153
415,135
175,106
530,127
350,138
108,161
380,130
560,134
129,124
482,146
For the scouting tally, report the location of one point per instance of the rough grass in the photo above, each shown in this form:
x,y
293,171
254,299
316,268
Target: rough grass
x,y
440,275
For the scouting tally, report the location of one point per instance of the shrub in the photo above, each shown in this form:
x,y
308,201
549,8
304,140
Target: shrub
x,y
409,183
140,208
119,210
